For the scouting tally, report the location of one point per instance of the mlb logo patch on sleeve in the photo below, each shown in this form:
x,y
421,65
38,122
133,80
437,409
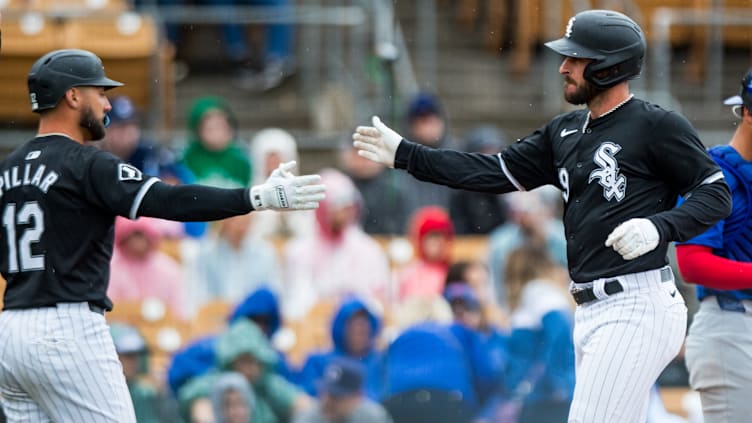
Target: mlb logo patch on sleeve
x,y
127,172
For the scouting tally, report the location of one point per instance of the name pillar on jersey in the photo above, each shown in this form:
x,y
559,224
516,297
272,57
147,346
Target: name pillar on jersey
x,y
29,176
614,183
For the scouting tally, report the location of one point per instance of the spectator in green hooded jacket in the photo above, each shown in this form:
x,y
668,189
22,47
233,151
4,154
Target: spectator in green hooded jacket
x,y
244,348
214,154
151,405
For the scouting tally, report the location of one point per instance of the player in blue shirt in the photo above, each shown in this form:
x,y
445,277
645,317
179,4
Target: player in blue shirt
x,y
719,261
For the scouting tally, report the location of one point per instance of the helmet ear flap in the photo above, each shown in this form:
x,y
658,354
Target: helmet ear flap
x,y
606,77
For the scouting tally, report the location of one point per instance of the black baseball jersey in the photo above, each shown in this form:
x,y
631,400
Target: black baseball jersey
x,y
59,199
633,162
59,202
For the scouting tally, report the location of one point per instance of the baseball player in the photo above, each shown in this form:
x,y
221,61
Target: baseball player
x,y
620,163
719,344
58,202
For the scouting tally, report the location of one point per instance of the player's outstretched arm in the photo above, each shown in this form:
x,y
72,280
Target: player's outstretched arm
x,y
284,191
377,143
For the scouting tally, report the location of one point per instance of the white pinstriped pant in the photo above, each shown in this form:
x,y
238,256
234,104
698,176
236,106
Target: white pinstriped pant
x,y
622,344
58,364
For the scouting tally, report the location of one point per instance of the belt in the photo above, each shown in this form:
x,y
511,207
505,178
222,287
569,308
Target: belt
x,y
611,287
96,309
92,307
587,295
730,304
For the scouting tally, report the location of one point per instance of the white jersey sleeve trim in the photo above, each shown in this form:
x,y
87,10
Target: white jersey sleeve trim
x,y
140,197
713,178
718,176
509,175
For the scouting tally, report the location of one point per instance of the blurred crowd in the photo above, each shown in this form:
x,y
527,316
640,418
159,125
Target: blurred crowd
x,y
415,335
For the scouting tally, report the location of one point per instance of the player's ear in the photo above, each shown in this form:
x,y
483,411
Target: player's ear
x,y
73,98
746,115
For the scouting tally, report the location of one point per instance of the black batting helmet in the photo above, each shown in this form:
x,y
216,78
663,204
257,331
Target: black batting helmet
x,y
614,42
56,72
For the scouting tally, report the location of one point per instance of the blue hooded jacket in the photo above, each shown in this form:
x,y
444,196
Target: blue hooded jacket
x,y
196,359
542,357
314,366
429,356
263,303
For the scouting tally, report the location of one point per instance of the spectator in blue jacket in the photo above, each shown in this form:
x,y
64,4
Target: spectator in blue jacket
x,y
429,377
195,359
486,355
539,378
354,331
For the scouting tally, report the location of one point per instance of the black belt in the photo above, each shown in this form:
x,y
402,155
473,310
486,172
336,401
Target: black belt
x,y
587,295
611,287
97,309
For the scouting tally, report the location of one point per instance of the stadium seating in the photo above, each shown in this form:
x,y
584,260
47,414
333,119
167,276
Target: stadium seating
x,y
313,332
128,44
66,7
24,40
211,318
530,27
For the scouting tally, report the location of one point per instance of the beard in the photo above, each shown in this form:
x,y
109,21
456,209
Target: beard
x,y
582,94
92,124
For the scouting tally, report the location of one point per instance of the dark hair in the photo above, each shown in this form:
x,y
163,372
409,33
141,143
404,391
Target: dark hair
x,y
456,272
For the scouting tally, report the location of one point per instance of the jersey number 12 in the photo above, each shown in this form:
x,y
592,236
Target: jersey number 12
x,y
33,234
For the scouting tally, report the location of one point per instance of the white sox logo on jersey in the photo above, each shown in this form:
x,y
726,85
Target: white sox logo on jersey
x,y
614,184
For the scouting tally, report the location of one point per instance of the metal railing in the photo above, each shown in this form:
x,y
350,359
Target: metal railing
x,y
338,40
715,18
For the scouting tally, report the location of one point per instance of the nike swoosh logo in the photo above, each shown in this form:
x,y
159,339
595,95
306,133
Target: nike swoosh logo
x,y
673,293
565,132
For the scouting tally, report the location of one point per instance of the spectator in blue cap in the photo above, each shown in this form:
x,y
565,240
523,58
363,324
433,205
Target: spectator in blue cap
x,y
484,350
465,305
426,124
341,397
125,139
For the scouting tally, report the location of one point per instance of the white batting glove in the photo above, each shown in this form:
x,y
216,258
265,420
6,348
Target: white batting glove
x,y
284,191
634,238
377,143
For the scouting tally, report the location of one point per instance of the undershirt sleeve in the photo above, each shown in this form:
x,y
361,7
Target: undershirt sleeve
x,y
700,266
190,203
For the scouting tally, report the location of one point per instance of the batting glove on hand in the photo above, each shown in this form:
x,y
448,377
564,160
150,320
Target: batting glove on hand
x,y
377,143
285,191
634,238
